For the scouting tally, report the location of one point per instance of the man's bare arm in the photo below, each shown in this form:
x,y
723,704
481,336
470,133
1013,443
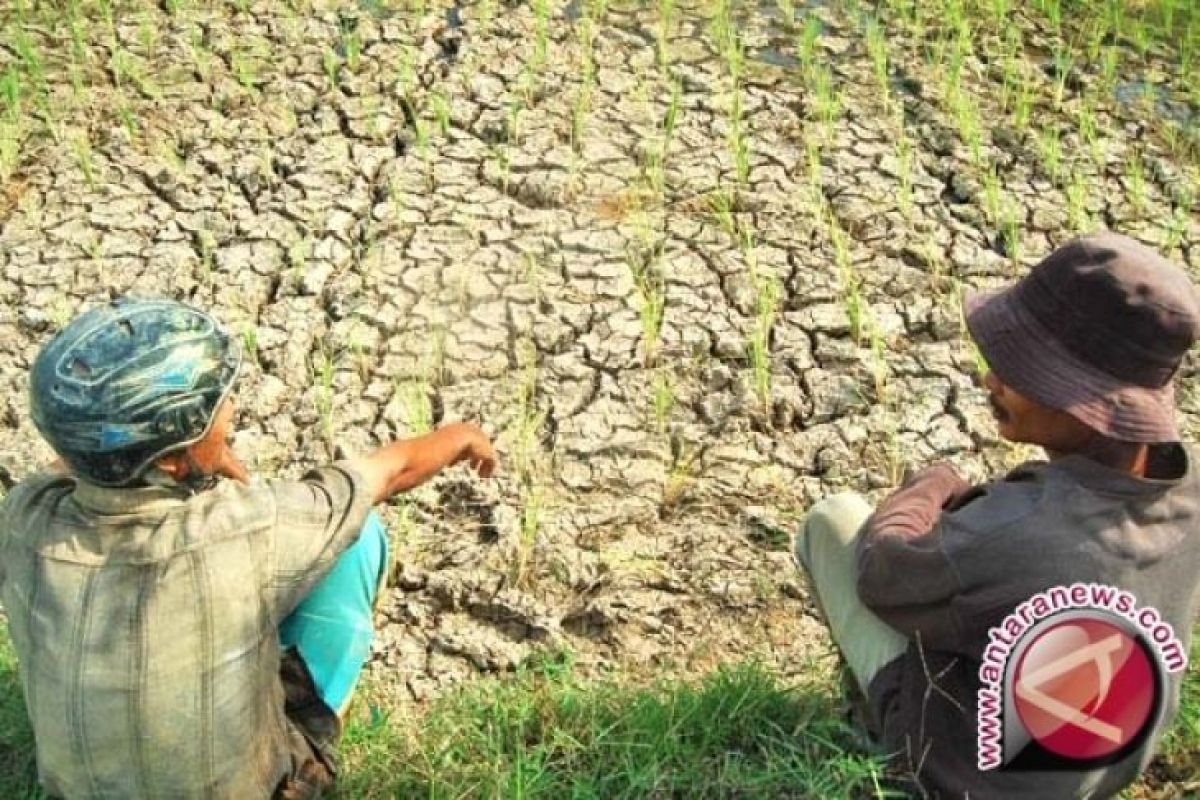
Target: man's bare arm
x,y
402,465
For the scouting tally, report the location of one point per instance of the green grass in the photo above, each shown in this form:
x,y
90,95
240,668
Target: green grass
x,y
546,732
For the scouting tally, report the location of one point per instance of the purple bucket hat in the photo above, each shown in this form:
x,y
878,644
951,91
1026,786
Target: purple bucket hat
x,y
1097,330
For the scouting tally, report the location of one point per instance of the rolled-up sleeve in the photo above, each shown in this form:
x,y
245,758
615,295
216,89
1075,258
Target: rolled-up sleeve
x,y
317,518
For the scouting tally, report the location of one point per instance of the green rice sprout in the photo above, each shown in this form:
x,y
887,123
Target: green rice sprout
x,y
806,43
441,112
663,399
541,46
417,406
1049,148
904,158
1076,191
666,15
332,66
767,296
877,49
82,148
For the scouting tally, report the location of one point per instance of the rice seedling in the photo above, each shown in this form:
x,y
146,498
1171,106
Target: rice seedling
x,y
1010,233
722,27
206,249
441,111
1064,62
806,43
94,248
650,284
812,162
250,341
1175,228
904,159
787,12
11,92
434,366
201,57
1110,65
541,34
1053,11
406,70
877,49
82,148
1049,148
652,171
671,117
685,463
826,100
244,71
30,60
351,46
147,36
991,194
532,520
512,118
663,399
1089,131
880,371
740,145
1023,104
767,296
580,107
416,405
970,129
332,67
582,101
1000,10
1013,68
11,136
1077,193
721,204
853,302
666,15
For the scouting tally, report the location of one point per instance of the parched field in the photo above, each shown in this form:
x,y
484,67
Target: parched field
x,y
694,266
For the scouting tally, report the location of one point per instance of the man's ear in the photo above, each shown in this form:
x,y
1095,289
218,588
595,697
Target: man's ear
x,y
174,464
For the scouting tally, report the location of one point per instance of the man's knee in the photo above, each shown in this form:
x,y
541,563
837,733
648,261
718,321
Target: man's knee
x,y
836,519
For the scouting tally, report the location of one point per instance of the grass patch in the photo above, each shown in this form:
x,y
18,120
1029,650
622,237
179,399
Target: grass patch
x,y
18,771
545,732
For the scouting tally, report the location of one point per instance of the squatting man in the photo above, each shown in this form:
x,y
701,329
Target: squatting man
x,y
1081,354
185,631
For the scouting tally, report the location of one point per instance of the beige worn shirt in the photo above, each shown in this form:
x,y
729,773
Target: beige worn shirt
x,y
145,625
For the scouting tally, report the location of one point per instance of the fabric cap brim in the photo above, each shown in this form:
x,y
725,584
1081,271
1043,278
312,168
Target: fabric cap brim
x,y
1024,355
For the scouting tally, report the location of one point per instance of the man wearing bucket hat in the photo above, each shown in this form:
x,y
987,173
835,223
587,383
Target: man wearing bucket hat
x,y
179,635
1081,352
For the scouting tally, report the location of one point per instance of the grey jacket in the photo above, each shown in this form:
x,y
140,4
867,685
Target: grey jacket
x,y
943,563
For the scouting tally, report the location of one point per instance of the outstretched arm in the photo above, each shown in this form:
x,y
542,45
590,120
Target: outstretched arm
x,y
402,465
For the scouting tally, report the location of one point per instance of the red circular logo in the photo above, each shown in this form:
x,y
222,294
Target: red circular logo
x,y
1084,688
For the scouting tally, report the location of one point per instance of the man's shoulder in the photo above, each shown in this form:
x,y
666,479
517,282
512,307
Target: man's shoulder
x,y
36,492
1003,502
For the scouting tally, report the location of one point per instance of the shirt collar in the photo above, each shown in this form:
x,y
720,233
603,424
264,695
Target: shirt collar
x,y
104,500
1097,476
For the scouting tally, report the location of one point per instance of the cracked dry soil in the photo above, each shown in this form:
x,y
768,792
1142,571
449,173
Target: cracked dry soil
x,y
408,225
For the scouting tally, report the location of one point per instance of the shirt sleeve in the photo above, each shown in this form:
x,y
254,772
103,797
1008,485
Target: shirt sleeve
x,y
904,573
317,518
